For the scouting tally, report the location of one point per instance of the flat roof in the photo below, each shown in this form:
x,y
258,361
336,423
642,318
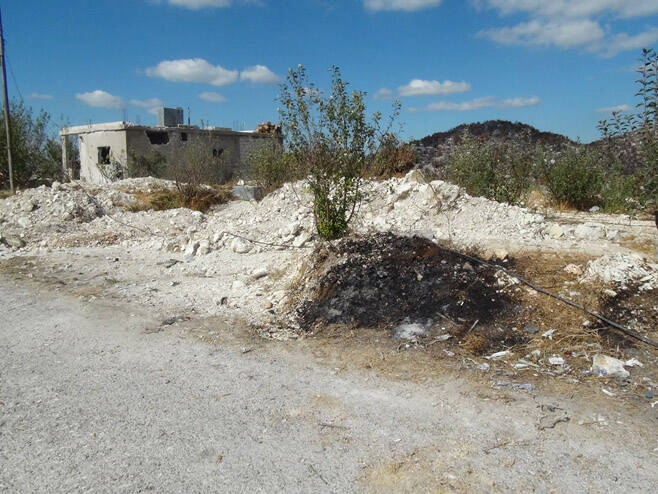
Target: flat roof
x,y
123,126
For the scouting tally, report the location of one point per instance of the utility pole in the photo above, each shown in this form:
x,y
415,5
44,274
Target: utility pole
x,y
6,106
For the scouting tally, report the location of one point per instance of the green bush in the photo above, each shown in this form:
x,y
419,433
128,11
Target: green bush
x,y
392,158
271,167
151,164
503,173
332,141
576,178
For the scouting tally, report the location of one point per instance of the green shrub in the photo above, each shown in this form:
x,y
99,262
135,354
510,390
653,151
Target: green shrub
x,y
619,192
392,158
576,179
503,173
271,167
332,141
151,164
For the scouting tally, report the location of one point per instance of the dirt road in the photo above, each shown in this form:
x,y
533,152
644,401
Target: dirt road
x,y
96,398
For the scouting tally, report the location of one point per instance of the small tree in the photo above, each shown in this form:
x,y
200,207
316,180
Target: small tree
x,y
36,154
331,140
635,135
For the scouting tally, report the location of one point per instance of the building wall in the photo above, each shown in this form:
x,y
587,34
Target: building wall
x,y
89,144
177,149
172,142
250,143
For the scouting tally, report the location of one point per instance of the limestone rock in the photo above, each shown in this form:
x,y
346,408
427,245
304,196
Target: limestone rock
x,y
555,231
240,246
302,239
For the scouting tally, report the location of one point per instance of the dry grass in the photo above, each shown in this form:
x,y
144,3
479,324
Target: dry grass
x,y
201,199
5,193
642,245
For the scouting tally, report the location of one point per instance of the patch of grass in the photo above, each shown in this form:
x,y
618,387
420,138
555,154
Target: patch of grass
x,y
4,193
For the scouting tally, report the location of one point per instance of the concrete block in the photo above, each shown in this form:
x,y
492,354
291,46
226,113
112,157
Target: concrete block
x,y
248,192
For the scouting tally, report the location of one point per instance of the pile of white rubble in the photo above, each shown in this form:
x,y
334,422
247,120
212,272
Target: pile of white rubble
x,y
53,217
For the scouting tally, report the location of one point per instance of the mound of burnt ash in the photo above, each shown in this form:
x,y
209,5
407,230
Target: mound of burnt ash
x,y
386,280
632,307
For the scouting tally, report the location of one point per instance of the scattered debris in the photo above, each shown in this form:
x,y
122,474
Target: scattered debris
x,y
609,393
606,366
530,329
573,269
633,363
550,421
499,355
526,387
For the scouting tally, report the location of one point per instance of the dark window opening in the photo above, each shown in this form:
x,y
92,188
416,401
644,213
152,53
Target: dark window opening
x,y
157,137
104,155
217,152
183,136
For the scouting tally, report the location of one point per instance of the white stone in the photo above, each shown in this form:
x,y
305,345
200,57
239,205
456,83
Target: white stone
x,y
259,273
588,231
555,231
409,331
240,246
292,229
499,355
302,239
191,248
24,222
415,177
204,248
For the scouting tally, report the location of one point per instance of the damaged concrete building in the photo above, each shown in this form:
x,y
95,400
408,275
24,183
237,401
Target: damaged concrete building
x,y
117,143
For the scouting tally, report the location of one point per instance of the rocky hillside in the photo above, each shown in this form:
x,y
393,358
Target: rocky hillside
x,y
432,149
498,130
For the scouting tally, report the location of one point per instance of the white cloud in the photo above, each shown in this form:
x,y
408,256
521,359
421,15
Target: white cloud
x,y
583,24
563,34
618,108
419,87
40,96
259,74
151,105
574,8
101,99
193,70
622,42
383,93
476,104
408,5
199,4
518,102
212,97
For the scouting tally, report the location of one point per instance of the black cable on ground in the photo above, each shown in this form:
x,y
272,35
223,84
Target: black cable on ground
x,y
605,320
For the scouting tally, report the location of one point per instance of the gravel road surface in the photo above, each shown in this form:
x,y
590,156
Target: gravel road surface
x,y
90,400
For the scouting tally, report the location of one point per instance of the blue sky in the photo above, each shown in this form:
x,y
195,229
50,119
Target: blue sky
x,y
553,64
